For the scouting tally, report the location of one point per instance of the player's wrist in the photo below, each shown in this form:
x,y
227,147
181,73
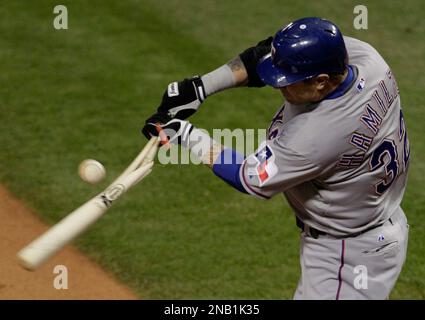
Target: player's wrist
x,y
199,88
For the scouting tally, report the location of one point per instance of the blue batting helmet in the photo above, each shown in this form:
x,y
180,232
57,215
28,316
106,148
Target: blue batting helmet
x,y
303,49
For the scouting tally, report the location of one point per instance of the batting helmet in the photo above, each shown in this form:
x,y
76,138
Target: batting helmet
x,y
303,49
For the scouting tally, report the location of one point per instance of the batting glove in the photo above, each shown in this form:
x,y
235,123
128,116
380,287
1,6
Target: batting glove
x,y
182,99
250,58
169,129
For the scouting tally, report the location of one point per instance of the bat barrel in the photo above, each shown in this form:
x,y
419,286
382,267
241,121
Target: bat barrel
x,y
38,251
62,233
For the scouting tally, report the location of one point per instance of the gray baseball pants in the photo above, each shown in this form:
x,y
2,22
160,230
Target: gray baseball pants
x,y
362,267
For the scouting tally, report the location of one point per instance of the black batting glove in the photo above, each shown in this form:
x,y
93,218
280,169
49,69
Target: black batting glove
x,y
250,58
149,130
182,99
171,130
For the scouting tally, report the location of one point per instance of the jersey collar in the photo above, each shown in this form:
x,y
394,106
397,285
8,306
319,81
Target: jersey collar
x,y
345,85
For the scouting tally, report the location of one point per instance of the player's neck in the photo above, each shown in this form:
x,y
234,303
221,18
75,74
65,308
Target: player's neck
x,y
334,85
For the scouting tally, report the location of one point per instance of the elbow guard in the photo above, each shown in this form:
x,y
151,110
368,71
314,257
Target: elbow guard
x,y
250,58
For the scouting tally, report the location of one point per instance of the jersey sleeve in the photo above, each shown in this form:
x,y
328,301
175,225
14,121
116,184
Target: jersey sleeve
x,y
273,168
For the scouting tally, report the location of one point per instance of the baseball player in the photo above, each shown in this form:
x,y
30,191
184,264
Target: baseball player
x,y
337,149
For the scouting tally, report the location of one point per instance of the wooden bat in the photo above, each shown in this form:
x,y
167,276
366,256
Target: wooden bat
x,y
75,223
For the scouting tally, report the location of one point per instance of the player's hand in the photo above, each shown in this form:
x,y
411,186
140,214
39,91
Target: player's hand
x,y
182,99
250,58
167,128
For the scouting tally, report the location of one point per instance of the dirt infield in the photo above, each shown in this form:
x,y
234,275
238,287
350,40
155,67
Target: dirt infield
x,y
86,280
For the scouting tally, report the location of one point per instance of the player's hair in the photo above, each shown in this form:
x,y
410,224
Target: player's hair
x,y
336,76
333,77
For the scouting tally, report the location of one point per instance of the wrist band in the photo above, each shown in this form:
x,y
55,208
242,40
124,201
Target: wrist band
x,y
218,80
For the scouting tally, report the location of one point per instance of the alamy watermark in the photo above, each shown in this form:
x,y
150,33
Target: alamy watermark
x,y
361,20
244,141
360,281
61,20
60,282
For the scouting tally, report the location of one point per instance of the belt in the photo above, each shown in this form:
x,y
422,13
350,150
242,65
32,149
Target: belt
x,y
396,216
313,232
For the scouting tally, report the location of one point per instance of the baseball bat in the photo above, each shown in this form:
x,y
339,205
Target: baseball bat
x,y
75,223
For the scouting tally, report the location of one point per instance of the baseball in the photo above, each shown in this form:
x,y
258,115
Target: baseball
x,y
91,171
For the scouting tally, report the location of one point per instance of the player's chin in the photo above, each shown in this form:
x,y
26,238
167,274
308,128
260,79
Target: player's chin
x,y
287,95
290,99
294,100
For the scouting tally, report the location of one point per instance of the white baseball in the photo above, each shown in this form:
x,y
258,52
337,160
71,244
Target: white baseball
x,y
91,171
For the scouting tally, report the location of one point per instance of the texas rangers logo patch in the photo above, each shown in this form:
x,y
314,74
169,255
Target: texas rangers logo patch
x,y
265,167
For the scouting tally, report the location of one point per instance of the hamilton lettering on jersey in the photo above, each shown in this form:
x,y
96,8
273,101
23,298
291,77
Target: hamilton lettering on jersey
x,y
374,113
361,141
376,109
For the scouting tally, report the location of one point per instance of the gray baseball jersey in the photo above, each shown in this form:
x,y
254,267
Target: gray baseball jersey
x,y
341,163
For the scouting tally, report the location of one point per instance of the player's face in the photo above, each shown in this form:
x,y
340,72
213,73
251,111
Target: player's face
x,y
312,90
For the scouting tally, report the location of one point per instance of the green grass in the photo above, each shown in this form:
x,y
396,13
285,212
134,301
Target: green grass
x,y
85,92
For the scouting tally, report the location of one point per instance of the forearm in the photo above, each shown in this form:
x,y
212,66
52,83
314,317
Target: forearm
x,y
182,99
224,162
239,71
204,147
233,74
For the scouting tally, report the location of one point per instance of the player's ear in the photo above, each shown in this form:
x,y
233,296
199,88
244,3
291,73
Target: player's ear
x,y
321,80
